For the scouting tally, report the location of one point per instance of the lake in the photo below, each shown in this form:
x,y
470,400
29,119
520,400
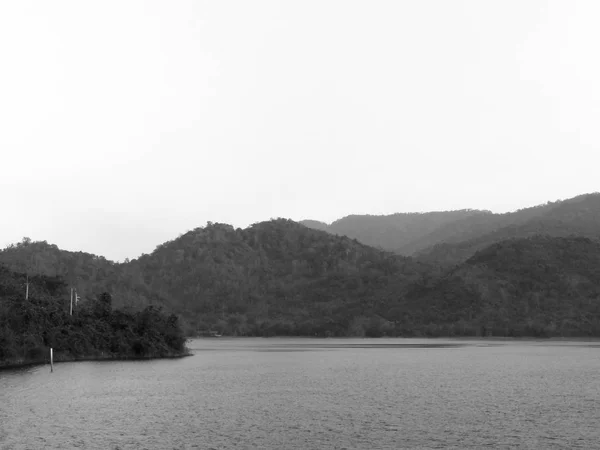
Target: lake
x,y
307,393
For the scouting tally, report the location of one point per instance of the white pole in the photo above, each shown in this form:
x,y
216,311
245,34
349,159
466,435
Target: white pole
x,y
71,301
51,361
27,288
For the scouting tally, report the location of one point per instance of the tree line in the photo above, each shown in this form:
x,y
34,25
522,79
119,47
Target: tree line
x,y
29,328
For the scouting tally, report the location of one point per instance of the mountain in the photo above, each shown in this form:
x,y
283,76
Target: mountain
x,y
315,225
91,275
393,232
453,236
539,286
273,277
471,227
579,216
282,278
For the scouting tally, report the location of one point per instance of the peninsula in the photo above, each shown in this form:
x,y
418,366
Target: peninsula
x,y
36,315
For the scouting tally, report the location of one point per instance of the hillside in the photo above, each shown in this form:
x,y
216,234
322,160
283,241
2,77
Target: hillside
x,y
282,278
91,275
275,277
472,227
539,286
579,216
316,225
450,237
30,327
396,231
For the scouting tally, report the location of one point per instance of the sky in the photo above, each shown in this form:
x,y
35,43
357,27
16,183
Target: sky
x,y
126,123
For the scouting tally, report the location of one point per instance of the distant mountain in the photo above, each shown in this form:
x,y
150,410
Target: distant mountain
x,y
273,277
283,278
315,225
396,231
579,216
472,227
453,236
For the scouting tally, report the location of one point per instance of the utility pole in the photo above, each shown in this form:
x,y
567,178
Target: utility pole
x,y
27,287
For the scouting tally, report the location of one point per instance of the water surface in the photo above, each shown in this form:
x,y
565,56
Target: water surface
x,y
314,393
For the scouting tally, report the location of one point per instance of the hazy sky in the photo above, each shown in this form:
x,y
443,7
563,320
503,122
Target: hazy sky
x,y
126,123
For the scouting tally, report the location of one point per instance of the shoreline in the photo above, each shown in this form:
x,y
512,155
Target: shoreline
x,y
19,363
466,338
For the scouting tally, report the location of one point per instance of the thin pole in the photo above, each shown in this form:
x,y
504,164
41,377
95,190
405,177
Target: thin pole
x,y
71,301
27,288
51,361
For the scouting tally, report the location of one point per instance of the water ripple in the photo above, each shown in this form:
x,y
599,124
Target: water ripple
x,y
311,394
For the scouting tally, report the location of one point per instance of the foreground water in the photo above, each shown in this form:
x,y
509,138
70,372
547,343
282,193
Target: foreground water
x,y
314,393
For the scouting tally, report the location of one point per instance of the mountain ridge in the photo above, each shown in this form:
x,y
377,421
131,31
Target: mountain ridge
x,y
396,232
579,216
282,278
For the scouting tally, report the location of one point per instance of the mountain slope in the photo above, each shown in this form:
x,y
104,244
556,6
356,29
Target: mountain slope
x,y
579,216
392,232
91,275
273,277
540,286
315,225
451,237
278,276
472,227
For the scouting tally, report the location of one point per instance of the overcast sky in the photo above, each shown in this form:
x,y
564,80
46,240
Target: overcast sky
x,y
126,123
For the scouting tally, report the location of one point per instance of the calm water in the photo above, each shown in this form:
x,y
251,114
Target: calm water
x,y
314,393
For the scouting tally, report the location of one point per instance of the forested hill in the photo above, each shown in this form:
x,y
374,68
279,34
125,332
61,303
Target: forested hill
x,y
394,232
453,236
91,275
275,277
280,277
31,324
579,216
539,286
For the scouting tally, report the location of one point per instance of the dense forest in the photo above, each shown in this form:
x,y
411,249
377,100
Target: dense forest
x,y
534,274
35,316
540,286
91,275
275,277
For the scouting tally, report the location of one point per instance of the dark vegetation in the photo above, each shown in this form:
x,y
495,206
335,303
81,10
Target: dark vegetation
x,y
90,274
29,328
276,277
535,272
540,286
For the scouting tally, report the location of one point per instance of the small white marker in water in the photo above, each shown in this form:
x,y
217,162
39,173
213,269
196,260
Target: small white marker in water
x,y
51,361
